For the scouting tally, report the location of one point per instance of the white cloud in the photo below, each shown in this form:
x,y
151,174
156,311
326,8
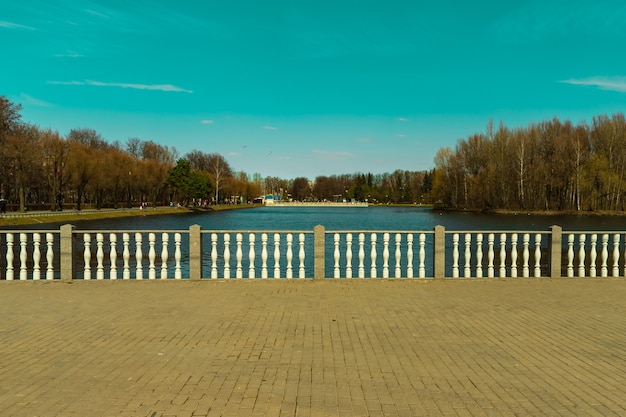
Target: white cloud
x,y
269,128
69,54
11,25
30,100
333,155
152,87
604,83
402,119
206,122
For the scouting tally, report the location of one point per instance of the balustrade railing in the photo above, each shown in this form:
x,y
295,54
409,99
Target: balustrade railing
x,y
68,254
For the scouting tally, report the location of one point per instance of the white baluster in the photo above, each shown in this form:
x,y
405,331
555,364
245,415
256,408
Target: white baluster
x,y
385,255
581,255
468,255
455,255
301,255
36,257
289,274
502,255
10,239
177,255
604,270
126,255
514,255
239,256
165,239
214,273
276,255
479,255
398,255
373,256
23,256
410,273
151,256
593,255
251,256
138,256
100,256
361,255
537,255
525,255
422,256
570,255
264,256
490,255
113,256
336,255
87,256
616,255
50,256
349,255
226,255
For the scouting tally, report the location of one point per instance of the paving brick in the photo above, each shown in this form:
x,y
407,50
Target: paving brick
x,y
333,348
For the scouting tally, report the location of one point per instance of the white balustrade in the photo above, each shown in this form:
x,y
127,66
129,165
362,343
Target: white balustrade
x,y
468,256
289,256
398,256
490,255
336,255
23,256
164,254
36,257
177,255
50,256
385,255
593,255
239,256
87,256
151,256
479,255
373,255
9,256
301,255
349,255
585,254
251,255
113,256
226,255
264,274
502,255
100,256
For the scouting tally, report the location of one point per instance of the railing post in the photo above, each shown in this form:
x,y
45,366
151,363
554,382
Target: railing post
x,y
556,252
319,236
439,255
195,252
67,252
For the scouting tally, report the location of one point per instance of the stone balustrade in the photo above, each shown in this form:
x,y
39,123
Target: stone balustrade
x,y
68,254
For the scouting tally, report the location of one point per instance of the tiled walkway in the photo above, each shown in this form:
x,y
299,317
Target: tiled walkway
x,y
534,347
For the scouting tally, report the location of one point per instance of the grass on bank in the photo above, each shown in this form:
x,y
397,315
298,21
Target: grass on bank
x,y
70,216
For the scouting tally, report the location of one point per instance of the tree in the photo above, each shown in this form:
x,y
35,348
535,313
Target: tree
x,y
187,183
300,189
9,117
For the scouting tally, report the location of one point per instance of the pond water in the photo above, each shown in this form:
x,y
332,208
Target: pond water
x,y
355,218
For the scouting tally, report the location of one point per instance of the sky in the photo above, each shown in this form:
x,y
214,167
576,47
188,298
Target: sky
x,y
302,88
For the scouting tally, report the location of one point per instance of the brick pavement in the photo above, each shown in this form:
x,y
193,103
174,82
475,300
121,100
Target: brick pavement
x,y
292,348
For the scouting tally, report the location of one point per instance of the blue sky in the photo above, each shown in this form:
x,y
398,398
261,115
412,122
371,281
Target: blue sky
x,y
310,87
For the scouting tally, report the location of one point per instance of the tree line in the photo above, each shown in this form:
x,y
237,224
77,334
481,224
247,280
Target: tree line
x,y
551,165
42,169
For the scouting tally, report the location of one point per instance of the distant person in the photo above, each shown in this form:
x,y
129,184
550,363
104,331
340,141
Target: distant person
x,y
3,206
